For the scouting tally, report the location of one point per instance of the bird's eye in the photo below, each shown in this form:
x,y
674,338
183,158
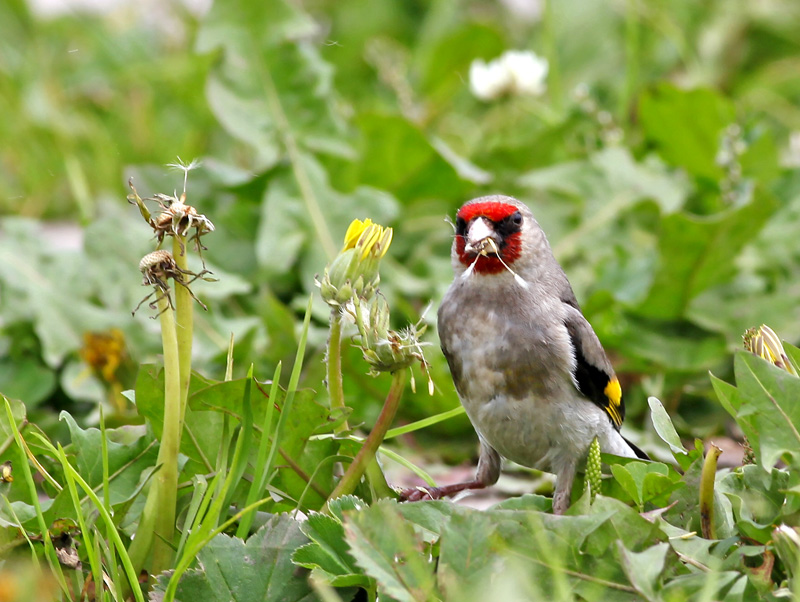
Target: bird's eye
x,y
461,226
516,219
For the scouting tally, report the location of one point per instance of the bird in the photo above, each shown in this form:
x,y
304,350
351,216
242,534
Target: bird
x,y
528,368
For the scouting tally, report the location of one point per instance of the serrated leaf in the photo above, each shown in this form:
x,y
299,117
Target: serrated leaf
x,y
130,452
328,554
468,554
388,550
644,568
256,571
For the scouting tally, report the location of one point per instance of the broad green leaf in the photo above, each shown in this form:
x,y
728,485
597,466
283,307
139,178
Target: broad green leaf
x,y
697,252
664,428
28,380
468,555
646,482
303,226
692,545
644,568
793,354
731,399
672,344
254,571
574,553
269,88
397,156
769,397
388,550
130,452
687,126
209,401
757,497
527,501
713,584
611,179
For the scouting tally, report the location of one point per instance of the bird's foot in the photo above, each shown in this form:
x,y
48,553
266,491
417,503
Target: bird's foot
x,y
417,494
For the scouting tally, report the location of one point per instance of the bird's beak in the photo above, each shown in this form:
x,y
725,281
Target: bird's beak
x,y
480,238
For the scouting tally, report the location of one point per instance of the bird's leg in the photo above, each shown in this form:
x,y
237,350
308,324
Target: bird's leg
x,y
563,492
487,474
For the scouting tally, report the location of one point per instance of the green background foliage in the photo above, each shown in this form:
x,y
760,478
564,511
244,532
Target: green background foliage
x,y
659,162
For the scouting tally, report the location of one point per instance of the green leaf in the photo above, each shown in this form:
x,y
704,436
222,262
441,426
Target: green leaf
x,y
793,353
253,571
644,568
731,399
697,252
208,402
430,517
289,237
130,452
387,548
664,428
610,179
686,126
270,89
646,481
397,156
28,380
769,397
328,555
468,553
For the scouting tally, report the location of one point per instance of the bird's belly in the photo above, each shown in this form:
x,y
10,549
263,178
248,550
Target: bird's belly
x,y
537,433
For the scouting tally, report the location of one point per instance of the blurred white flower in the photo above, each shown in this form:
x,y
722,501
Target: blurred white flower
x,y
791,156
517,72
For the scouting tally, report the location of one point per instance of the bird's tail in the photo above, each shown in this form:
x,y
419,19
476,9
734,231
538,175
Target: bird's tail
x,y
639,453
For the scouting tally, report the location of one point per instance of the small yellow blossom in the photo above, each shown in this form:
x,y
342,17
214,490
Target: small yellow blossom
x,y
354,272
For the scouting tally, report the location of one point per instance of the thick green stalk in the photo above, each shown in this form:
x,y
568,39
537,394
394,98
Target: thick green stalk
x,y
157,523
707,492
632,49
184,321
334,364
366,454
551,50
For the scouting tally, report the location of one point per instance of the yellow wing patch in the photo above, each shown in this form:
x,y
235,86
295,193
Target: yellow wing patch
x,y
613,393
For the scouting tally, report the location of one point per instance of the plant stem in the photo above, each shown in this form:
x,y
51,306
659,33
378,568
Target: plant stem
x,y
366,454
184,322
632,44
550,41
157,523
707,492
334,364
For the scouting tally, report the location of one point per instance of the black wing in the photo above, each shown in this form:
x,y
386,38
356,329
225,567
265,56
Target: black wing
x,y
593,372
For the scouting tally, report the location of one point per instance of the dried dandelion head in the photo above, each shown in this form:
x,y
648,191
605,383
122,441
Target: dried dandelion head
x,y
157,268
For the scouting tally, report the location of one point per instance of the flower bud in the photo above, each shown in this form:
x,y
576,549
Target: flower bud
x,y
386,350
594,469
354,272
764,343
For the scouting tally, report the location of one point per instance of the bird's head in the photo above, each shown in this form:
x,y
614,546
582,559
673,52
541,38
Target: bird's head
x,y
491,233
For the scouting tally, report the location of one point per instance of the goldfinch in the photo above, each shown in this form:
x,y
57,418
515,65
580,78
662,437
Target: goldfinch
x,y
528,367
